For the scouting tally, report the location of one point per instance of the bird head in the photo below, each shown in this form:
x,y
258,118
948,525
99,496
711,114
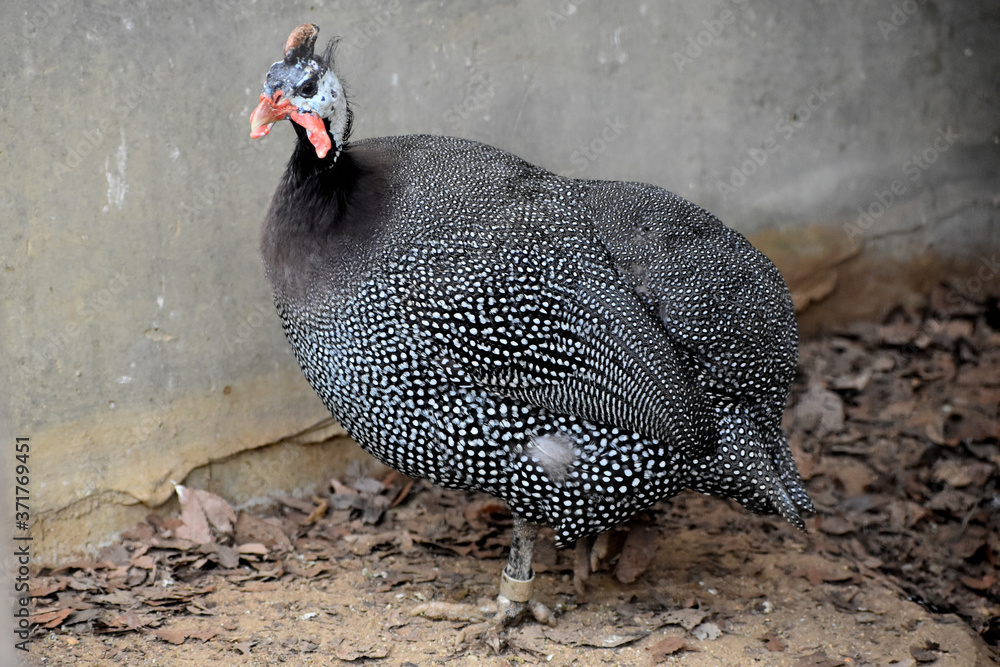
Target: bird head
x,y
304,89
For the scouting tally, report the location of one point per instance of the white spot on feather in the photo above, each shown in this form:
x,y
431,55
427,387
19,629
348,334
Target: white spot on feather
x,y
117,187
554,453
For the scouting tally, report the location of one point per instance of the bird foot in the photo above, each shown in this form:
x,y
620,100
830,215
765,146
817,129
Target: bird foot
x,y
513,603
509,613
488,629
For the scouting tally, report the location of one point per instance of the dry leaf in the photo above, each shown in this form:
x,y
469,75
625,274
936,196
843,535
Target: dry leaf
x,y
253,548
638,552
317,513
926,653
244,647
144,562
171,635
952,472
818,659
982,584
47,589
836,524
51,619
772,643
126,622
203,635
403,493
357,650
252,529
194,523
688,618
663,649
817,576
218,512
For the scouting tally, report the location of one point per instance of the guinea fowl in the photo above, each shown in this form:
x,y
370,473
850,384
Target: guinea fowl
x,y
581,349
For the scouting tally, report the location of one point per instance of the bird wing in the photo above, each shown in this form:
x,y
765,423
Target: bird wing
x,y
724,305
524,307
728,313
615,302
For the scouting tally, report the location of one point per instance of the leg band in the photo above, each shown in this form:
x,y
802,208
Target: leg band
x,y
515,590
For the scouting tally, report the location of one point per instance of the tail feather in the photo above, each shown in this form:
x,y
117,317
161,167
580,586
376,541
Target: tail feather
x,y
790,476
755,470
786,508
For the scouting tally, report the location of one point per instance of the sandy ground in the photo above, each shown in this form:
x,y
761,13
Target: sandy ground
x,y
734,589
895,427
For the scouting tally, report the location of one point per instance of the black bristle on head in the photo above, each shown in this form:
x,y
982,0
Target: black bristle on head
x,y
326,58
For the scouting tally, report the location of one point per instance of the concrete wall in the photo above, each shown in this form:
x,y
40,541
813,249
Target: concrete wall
x,y
138,340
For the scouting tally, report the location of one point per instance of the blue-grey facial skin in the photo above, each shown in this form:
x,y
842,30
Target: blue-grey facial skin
x,y
311,87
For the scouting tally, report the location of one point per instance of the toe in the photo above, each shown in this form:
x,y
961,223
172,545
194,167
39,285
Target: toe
x,y
541,613
449,611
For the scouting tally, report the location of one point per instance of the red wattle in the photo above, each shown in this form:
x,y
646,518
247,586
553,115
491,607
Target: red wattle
x,y
316,131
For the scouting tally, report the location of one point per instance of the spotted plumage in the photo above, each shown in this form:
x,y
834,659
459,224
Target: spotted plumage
x,y
581,349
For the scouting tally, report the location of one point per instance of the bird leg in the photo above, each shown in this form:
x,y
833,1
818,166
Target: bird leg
x,y
515,598
581,564
515,580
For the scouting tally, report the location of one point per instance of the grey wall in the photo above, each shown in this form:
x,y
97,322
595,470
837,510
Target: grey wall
x,y
138,339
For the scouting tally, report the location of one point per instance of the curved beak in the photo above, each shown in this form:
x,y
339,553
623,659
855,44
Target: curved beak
x,y
268,112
